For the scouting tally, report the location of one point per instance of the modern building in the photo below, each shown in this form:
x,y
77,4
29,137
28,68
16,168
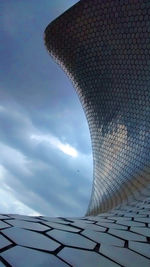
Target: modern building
x,y
104,47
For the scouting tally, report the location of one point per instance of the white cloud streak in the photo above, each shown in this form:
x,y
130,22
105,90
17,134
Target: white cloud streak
x,y
8,202
53,141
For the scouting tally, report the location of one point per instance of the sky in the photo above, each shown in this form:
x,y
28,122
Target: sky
x,y
45,148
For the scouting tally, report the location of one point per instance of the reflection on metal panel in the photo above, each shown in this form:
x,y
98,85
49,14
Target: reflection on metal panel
x,y
103,46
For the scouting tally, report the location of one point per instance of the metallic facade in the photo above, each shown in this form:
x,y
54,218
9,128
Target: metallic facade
x,y
103,46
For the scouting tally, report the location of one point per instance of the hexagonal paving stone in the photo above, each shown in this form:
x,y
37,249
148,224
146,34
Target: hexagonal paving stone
x,y
91,218
62,227
3,225
24,218
142,248
144,220
71,239
119,218
82,220
30,239
127,235
103,238
124,256
4,242
80,258
129,214
3,217
130,223
28,225
141,214
141,230
20,256
113,225
54,220
89,226
99,221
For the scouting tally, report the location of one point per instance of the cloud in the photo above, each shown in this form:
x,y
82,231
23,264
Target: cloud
x,y
2,109
9,203
46,160
42,177
47,171
12,158
51,140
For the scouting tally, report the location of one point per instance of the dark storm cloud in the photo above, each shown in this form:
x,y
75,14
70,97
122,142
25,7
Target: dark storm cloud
x,y
45,162
31,76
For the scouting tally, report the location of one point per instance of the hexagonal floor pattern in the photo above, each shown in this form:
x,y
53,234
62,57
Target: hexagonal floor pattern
x,y
118,238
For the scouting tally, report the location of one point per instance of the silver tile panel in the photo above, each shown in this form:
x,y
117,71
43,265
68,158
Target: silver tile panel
x,y
4,242
71,239
79,258
30,239
104,49
23,257
124,256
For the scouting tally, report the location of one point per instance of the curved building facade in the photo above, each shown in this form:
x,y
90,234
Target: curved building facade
x,y
104,47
